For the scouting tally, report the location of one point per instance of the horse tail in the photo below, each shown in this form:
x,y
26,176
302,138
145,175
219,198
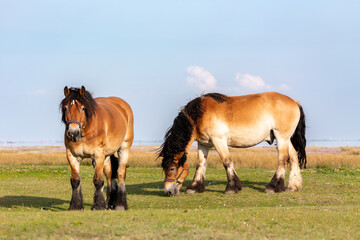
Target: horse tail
x,y
114,166
298,139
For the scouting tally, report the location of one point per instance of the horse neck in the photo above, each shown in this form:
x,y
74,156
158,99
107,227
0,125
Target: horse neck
x,y
189,144
94,124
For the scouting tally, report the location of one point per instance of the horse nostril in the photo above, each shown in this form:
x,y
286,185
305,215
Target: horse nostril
x,y
170,193
73,134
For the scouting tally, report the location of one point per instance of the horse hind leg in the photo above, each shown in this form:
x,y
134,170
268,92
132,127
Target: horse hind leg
x,y
120,202
234,184
198,183
277,183
295,179
110,169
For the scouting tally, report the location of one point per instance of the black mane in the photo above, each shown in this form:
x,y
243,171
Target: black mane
x,y
179,134
218,97
87,100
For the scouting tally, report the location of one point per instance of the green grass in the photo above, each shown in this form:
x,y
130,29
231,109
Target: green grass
x,y
34,202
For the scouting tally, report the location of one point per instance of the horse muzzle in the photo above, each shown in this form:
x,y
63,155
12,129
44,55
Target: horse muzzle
x,y
172,190
74,134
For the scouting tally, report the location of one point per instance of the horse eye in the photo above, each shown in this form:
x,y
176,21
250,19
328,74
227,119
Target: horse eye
x,y
172,169
82,108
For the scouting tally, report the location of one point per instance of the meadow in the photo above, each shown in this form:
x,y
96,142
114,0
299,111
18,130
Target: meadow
x,y
35,192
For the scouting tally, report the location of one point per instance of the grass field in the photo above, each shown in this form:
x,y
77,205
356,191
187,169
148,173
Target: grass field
x,y
35,192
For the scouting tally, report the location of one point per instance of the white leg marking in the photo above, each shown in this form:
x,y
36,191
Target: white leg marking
x,y
201,166
295,179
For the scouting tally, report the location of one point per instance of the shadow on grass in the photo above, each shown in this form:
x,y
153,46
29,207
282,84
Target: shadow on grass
x,y
44,203
157,188
258,186
151,188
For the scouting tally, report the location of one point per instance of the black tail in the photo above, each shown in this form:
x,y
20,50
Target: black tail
x,y
112,190
298,139
114,166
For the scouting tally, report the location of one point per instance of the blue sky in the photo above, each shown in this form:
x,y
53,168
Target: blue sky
x,y
158,55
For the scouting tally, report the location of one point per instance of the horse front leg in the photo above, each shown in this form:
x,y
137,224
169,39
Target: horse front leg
x,y
234,184
277,183
76,202
99,200
198,183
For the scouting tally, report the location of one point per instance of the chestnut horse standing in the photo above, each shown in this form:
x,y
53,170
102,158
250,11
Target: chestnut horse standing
x,y
97,129
216,120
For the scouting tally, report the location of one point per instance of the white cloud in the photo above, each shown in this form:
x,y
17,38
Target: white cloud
x,y
251,82
200,78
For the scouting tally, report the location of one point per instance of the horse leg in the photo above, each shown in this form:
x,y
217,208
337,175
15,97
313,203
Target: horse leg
x,y
111,174
198,183
76,202
99,200
120,199
108,172
234,184
295,179
277,183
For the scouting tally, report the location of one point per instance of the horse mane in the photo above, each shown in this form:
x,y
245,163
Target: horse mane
x,y
87,100
179,134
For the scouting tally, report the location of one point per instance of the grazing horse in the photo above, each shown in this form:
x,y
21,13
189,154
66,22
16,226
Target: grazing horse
x,y
216,120
97,129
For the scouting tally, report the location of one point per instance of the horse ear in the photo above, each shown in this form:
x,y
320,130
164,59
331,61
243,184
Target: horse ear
x,y
66,91
82,91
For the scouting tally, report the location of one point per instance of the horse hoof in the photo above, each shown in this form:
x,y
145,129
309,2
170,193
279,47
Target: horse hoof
x,y
76,208
230,192
288,189
190,191
269,190
120,208
98,208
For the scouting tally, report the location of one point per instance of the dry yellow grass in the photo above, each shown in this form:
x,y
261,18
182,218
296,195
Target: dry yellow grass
x,y
145,156
33,156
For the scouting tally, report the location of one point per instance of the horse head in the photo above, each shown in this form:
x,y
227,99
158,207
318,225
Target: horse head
x,y
77,109
175,173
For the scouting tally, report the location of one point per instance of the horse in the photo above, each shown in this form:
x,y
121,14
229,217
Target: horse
x,y
220,121
97,128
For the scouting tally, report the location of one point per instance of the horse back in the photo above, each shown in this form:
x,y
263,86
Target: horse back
x,y
248,118
115,106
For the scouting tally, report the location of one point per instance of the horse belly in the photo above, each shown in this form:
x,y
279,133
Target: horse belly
x,y
247,136
244,138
